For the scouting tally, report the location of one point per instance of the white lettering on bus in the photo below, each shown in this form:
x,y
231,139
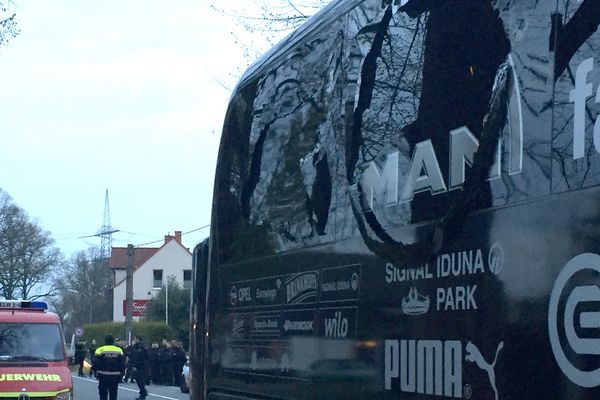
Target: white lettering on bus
x,y
424,172
432,367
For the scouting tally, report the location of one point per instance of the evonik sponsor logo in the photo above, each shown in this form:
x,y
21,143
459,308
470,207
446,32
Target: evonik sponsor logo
x,y
435,367
576,350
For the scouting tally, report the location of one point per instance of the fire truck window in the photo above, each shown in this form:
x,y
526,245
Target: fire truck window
x,y
30,342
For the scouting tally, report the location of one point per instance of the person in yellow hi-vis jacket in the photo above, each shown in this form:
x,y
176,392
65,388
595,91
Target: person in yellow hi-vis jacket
x,y
109,366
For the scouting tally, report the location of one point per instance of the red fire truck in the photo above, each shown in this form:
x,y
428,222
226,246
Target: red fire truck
x,y
33,359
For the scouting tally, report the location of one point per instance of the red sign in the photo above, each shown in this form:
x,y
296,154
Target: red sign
x,y
139,307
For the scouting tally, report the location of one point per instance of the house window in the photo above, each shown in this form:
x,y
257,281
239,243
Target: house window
x,y
187,278
158,278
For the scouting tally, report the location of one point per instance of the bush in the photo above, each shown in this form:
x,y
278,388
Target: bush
x,y
150,331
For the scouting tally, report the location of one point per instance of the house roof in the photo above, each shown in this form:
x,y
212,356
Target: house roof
x,y
119,257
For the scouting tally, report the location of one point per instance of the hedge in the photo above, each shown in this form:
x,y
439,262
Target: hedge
x,y
150,331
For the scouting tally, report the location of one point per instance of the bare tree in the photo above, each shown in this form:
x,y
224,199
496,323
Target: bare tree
x,y
8,23
268,21
27,253
83,289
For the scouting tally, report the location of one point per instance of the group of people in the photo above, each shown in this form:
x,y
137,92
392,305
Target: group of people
x,y
114,363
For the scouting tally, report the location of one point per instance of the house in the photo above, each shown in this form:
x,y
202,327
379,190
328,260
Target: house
x,y
152,268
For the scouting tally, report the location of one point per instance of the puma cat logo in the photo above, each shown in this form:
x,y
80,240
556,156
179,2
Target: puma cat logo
x,y
474,355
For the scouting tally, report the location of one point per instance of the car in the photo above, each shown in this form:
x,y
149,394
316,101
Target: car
x,y
186,378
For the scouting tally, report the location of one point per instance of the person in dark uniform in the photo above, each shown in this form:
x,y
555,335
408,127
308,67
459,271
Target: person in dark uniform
x,y
138,359
166,364
154,364
179,360
80,357
109,366
92,350
128,366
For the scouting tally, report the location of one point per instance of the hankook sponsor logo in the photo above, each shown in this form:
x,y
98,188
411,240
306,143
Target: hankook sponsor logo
x,y
302,326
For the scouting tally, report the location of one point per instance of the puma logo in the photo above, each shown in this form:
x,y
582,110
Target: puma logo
x,y
474,355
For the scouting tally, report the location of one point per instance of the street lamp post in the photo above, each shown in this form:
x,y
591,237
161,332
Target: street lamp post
x,y
167,304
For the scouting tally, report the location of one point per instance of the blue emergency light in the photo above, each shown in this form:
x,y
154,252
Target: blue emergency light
x,y
40,305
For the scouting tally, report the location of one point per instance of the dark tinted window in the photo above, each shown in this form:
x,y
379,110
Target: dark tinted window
x,y
278,177
157,278
389,117
30,342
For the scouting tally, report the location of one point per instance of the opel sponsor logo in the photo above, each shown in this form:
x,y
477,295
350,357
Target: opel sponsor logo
x,y
571,328
23,397
233,295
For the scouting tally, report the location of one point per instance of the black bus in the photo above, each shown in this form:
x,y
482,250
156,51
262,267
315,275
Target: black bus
x,y
407,206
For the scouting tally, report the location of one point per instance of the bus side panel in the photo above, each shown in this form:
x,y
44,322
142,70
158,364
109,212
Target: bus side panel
x,y
394,213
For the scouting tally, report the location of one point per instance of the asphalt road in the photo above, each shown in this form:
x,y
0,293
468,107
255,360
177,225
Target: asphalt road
x,y
87,389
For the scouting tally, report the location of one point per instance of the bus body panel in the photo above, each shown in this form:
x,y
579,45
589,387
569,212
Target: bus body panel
x,y
406,207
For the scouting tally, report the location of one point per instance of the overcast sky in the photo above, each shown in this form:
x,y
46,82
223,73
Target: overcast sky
x,y
119,95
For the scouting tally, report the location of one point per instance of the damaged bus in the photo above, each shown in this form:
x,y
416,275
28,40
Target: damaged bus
x,y
407,206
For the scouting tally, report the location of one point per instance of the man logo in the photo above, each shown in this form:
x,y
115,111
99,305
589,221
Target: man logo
x,y
23,397
585,319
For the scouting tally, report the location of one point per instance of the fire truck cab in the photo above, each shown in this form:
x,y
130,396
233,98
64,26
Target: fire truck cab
x,y
33,358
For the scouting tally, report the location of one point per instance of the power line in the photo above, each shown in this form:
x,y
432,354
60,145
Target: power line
x,y
184,233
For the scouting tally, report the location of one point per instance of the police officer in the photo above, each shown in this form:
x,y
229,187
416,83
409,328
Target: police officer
x,y
92,350
154,364
138,359
109,366
179,360
80,357
166,364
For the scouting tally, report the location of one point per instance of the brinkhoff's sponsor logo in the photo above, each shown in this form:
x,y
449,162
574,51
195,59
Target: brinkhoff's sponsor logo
x,y
30,377
434,367
573,330
301,288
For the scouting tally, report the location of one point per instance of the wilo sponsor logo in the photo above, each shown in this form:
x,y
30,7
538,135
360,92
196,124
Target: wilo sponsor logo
x,y
434,367
579,324
336,327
